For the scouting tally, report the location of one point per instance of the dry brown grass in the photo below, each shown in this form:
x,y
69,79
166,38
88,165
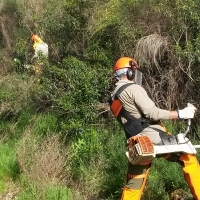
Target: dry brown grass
x,y
31,10
46,162
180,195
169,86
88,188
11,192
5,31
42,161
49,162
152,49
7,24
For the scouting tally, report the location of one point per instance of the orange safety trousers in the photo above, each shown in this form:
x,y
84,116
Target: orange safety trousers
x,y
191,170
137,176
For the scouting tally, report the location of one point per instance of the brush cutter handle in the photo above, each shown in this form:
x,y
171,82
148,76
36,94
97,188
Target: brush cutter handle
x,y
188,127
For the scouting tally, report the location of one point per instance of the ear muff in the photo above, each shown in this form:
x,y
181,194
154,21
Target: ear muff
x,y
130,74
131,71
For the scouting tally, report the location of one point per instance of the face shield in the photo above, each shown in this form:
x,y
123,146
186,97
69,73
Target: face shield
x,y
138,76
137,71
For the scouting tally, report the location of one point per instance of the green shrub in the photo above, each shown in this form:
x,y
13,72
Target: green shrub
x,y
169,179
49,193
9,168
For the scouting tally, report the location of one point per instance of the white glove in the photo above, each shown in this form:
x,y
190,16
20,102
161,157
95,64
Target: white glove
x,y
188,112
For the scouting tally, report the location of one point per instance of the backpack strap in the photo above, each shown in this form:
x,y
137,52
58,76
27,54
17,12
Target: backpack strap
x,y
133,125
119,91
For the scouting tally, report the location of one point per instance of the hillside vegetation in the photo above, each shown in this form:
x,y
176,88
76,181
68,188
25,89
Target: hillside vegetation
x,y
58,138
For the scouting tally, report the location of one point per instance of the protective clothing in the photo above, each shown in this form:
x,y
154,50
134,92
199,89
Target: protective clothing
x,y
191,170
41,49
135,181
132,126
187,113
39,46
41,52
141,101
137,176
137,103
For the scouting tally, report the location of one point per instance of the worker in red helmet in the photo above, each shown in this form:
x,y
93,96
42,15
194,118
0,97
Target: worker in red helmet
x,y
40,52
139,116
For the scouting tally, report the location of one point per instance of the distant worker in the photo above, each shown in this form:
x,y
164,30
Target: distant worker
x,y
41,52
140,117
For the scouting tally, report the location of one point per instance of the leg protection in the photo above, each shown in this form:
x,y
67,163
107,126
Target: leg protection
x,y
191,171
135,181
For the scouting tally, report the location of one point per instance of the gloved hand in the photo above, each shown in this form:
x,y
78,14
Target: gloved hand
x,y
188,112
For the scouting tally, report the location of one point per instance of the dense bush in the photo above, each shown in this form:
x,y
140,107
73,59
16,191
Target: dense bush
x,y
59,124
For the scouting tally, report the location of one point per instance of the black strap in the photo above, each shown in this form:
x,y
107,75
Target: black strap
x,y
116,96
124,112
133,125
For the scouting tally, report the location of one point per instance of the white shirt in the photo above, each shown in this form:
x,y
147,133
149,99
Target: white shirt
x,y
41,49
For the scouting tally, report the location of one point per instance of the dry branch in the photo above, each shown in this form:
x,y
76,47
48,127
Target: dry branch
x,y
152,48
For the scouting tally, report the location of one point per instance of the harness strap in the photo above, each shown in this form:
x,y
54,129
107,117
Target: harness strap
x,y
125,113
119,91
133,125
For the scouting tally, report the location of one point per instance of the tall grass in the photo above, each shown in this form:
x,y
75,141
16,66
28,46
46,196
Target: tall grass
x,y
48,193
91,166
9,169
166,181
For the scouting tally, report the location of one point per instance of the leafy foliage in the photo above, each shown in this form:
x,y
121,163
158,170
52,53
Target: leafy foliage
x,y
65,109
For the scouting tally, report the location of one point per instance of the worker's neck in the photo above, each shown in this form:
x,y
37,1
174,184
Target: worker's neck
x,y
125,79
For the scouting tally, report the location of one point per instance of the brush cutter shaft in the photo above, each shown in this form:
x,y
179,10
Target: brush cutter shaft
x,y
178,148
